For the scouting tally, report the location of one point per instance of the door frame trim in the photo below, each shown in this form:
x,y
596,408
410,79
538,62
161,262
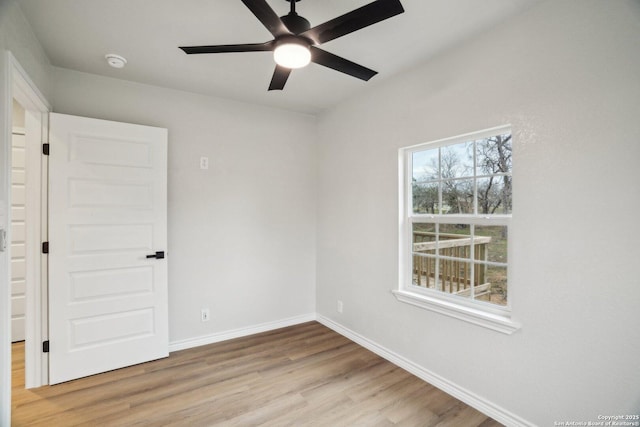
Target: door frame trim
x,y
21,88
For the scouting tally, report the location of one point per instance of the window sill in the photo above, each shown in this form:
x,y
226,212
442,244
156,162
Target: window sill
x,y
495,322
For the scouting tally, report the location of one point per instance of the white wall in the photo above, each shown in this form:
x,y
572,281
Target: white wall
x,y
16,36
241,234
566,75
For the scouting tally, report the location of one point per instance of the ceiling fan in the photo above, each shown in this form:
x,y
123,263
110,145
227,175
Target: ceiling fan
x,y
295,42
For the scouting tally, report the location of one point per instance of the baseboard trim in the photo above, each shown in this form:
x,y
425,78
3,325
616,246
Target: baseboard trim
x,y
240,332
494,411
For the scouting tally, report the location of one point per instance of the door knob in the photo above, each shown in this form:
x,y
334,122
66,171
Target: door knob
x,y
158,255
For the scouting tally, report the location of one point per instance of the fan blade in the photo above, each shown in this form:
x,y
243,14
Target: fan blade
x,y
225,48
369,14
267,16
279,78
330,60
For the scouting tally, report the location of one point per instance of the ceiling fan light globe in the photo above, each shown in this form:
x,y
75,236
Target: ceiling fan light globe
x,y
292,55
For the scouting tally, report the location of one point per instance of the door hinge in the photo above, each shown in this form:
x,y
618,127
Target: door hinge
x,y
45,346
45,149
45,247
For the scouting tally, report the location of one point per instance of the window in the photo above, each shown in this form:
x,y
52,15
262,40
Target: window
x,y
455,215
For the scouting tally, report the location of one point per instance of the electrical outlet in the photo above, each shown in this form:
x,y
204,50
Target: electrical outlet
x,y
204,315
204,163
340,306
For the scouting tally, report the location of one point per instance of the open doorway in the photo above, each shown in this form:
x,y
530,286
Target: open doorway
x,y
18,224
27,220
18,264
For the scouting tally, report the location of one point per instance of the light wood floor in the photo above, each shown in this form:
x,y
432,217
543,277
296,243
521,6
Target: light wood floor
x,y
301,375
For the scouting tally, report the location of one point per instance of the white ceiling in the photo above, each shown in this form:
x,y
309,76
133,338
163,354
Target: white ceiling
x,y
76,34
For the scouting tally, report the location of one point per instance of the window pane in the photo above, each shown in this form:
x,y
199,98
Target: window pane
x,y
493,155
424,271
494,195
454,240
457,161
457,196
491,243
455,277
492,285
425,198
461,229
424,243
425,165
424,232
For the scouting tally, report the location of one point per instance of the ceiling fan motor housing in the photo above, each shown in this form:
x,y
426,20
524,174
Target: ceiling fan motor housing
x,y
295,23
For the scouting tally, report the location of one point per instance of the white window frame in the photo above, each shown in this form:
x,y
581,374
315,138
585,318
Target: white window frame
x,y
491,316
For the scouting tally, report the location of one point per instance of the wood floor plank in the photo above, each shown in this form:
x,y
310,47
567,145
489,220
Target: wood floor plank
x,y
412,410
301,375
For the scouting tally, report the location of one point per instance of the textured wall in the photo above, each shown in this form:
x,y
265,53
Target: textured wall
x,y
565,76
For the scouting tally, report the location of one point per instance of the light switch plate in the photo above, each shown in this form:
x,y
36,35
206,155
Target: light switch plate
x,y
204,163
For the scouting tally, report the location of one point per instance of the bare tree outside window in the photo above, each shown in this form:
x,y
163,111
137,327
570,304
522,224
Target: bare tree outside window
x,y
494,158
451,169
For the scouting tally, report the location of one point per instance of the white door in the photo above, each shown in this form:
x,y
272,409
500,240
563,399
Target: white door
x,y
107,215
